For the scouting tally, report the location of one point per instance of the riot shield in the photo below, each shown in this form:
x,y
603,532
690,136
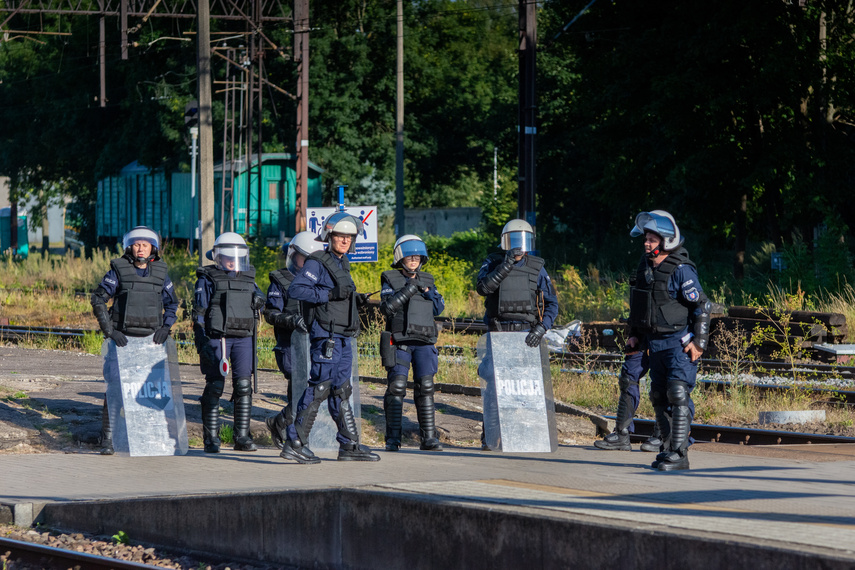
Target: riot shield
x,y
144,397
324,430
516,389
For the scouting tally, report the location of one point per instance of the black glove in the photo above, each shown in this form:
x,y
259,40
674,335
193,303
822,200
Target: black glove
x,y
161,334
258,302
535,335
511,255
291,322
396,301
361,299
119,338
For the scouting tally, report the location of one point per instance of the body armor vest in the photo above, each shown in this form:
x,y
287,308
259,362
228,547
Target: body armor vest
x,y
339,316
138,308
652,310
516,297
415,320
283,278
229,311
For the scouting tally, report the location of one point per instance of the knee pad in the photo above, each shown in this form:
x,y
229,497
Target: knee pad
x,y
658,399
678,394
321,391
344,391
397,386
625,381
426,387
242,387
213,391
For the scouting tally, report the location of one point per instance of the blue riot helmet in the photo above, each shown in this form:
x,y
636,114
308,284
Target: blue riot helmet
x,y
341,223
406,246
142,233
660,223
517,234
305,244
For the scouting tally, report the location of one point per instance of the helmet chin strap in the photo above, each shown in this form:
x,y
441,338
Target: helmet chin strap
x,y
654,253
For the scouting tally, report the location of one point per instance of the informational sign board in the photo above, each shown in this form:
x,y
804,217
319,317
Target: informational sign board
x,y
366,242
144,397
516,388
324,430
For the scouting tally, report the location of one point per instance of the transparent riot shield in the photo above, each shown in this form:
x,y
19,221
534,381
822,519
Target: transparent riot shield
x,y
144,397
516,389
324,430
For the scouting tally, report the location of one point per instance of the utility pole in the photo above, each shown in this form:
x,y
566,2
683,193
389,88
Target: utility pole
x,y
301,56
206,134
400,226
528,128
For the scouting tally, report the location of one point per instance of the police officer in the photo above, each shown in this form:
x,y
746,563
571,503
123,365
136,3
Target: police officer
x,y
285,316
635,366
327,290
144,301
410,301
670,313
226,300
518,292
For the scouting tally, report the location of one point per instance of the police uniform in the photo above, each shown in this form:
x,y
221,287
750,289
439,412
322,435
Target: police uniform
x,y
223,309
410,305
669,310
144,303
327,290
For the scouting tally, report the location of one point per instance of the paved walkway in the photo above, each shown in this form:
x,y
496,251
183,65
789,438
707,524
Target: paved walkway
x,y
801,503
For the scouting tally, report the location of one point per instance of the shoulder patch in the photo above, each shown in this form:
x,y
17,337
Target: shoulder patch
x,y
311,276
691,294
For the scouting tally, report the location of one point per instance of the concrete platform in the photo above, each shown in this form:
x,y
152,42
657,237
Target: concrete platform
x,y
462,508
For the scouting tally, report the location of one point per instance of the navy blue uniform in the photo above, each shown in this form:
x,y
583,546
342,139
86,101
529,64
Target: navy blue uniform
x,y
276,300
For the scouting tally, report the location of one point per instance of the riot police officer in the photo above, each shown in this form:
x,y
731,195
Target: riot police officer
x,y
518,294
225,303
285,316
144,301
410,301
328,292
670,313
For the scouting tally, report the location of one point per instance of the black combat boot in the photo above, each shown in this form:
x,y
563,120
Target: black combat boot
x,y
677,455
393,406
211,429
243,411
425,410
278,426
352,451
106,432
615,441
654,442
296,451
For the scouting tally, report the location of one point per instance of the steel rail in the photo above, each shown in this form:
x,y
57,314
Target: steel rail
x,y
41,556
744,436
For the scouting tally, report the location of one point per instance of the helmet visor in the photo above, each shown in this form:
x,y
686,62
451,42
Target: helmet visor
x,y
231,257
647,222
521,240
411,247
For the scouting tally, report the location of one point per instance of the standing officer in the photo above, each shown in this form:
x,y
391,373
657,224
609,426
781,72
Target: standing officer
x,y
144,302
225,303
410,301
669,310
326,288
286,316
518,292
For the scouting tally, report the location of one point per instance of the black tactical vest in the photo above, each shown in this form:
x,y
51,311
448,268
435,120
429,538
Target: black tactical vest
x,y
229,311
516,297
138,308
339,316
415,321
652,310
283,278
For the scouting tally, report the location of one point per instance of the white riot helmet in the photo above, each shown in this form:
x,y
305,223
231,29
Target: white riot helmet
x,y
303,243
230,252
341,223
517,234
660,223
142,233
406,246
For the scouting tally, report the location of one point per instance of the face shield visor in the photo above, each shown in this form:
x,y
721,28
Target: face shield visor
x,y
518,239
659,225
408,248
231,257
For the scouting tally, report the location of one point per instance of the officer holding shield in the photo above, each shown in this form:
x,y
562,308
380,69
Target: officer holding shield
x,y
410,301
670,313
285,315
226,300
327,291
144,302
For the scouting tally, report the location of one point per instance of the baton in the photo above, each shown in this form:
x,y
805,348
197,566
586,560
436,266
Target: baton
x,y
224,363
255,353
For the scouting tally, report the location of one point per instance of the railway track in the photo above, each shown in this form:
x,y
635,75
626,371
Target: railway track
x,y
18,554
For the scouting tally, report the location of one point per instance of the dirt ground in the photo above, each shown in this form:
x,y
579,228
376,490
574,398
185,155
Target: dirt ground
x,y
50,402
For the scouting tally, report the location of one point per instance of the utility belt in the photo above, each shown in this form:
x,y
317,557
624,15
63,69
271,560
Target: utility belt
x,y
509,326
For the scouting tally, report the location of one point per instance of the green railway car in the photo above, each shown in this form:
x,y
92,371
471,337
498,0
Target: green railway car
x,y
138,195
